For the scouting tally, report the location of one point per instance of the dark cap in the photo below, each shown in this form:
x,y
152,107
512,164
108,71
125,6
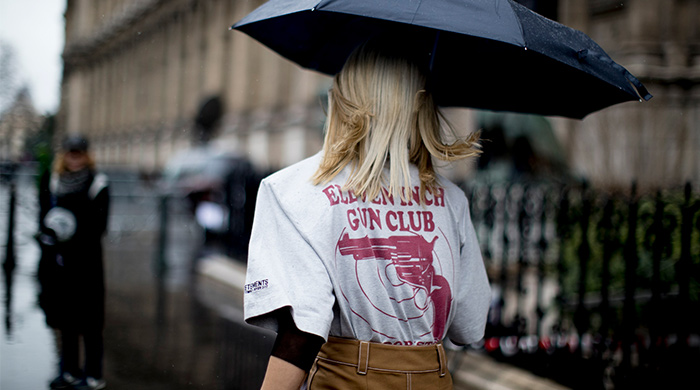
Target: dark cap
x,y
75,143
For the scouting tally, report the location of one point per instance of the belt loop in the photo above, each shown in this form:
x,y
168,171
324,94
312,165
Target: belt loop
x,y
442,359
363,358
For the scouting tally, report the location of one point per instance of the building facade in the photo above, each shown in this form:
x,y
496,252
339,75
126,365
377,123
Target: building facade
x,y
137,73
656,143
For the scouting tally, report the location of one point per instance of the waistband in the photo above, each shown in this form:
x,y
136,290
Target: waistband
x,y
383,357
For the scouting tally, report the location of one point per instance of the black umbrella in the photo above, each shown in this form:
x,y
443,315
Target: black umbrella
x,y
491,54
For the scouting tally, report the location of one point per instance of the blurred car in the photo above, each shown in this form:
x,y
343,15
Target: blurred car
x,y
198,174
219,188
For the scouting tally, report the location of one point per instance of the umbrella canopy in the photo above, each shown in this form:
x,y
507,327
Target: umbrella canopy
x,y
491,54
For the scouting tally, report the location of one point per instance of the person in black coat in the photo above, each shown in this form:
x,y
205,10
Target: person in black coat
x,y
74,209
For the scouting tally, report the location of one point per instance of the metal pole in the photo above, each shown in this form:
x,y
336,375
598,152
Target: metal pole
x,y
684,265
523,236
656,286
503,277
581,319
161,263
564,234
9,263
629,307
541,263
610,242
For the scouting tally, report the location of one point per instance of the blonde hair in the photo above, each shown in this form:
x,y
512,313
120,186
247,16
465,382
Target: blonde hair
x,y
379,110
59,165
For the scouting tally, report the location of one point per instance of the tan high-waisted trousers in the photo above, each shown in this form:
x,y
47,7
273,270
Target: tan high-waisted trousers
x,y
353,364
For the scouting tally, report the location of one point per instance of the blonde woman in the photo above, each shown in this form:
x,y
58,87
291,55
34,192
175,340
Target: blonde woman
x,y
74,207
362,258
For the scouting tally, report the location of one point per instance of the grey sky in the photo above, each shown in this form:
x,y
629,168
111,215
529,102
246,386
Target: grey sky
x,y
35,30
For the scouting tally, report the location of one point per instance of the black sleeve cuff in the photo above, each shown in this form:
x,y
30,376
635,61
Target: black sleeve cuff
x,y
293,345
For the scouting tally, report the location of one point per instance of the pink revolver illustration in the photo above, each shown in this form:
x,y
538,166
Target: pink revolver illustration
x,y
412,257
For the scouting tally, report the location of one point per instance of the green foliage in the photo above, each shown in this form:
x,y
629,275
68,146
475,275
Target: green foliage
x,y
39,145
649,241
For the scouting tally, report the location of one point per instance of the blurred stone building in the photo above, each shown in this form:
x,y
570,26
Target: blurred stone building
x,y
18,122
139,72
656,143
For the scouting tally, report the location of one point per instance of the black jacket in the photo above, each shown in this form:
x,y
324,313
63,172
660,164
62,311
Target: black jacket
x,y
71,272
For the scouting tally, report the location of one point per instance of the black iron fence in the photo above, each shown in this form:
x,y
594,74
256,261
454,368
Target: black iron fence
x,y
595,290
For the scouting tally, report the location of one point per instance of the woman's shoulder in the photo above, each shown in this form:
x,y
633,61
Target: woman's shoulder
x,y
295,194
452,190
297,175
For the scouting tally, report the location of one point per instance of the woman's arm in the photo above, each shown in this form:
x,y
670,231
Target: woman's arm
x,y
282,375
293,354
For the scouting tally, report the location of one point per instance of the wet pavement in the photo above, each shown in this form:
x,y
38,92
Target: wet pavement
x,y
26,359
165,327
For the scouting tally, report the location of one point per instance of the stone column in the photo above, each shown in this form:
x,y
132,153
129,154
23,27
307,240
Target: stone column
x,y
216,29
238,75
574,13
191,72
172,73
73,89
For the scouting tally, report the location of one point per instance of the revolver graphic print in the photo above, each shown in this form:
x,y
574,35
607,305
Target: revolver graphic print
x,y
412,257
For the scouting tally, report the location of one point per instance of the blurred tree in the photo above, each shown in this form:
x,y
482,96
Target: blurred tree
x,y
18,121
38,145
9,84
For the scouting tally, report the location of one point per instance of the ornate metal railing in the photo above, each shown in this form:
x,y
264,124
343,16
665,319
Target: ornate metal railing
x,y
592,289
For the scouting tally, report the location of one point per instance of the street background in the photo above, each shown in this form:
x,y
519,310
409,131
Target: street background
x,y
174,317
164,330
590,229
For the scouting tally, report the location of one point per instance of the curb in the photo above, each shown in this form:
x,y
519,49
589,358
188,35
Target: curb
x,y
223,269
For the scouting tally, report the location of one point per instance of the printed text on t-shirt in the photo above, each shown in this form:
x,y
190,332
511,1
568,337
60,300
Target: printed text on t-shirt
x,y
336,196
255,286
393,220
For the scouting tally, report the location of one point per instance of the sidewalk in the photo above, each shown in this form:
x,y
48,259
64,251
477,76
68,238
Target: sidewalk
x,y
476,371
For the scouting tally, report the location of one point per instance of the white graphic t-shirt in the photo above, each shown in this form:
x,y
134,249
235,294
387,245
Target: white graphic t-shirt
x,y
382,270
